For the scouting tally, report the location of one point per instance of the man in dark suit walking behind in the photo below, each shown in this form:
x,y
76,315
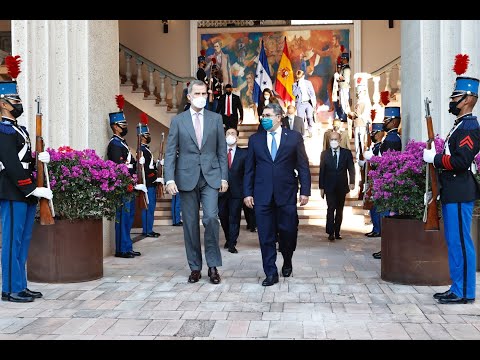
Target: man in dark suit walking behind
x,y
230,203
334,165
230,106
198,173
270,184
292,121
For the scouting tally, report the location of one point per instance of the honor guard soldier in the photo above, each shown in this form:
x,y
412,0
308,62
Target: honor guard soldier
x,y
391,141
202,64
119,152
344,86
459,188
151,179
18,192
376,134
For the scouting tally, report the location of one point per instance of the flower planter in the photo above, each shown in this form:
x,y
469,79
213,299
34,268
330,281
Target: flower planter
x,y
66,252
411,255
475,233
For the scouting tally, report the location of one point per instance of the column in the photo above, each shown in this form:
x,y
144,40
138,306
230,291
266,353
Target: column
x,y
428,49
73,66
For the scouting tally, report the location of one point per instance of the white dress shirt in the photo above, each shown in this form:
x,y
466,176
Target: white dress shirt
x,y
278,136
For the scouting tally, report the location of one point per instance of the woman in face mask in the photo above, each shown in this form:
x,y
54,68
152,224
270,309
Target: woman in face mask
x,y
267,98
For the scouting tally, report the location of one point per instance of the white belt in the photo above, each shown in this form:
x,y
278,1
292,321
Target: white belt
x,y
130,166
25,165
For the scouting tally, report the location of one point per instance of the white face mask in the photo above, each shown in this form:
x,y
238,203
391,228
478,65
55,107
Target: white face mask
x,y
231,140
199,102
333,144
266,97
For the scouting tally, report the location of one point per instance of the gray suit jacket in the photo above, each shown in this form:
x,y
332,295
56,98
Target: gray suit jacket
x,y
211,158
298,124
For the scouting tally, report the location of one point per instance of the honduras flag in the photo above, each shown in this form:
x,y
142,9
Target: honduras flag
x,y
262,76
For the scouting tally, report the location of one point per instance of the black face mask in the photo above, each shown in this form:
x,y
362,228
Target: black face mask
x,y
17,110
385,126
124,132
452,106
228,92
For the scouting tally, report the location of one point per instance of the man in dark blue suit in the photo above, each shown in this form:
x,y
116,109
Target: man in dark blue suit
x,y
335,162
230,202
270,184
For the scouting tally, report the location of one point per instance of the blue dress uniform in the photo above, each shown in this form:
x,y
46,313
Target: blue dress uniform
x,y
391,141
374,215
150,176
458,192
176,208
17,201
119,152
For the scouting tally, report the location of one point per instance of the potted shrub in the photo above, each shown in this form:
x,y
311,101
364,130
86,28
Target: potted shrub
x,y
475,230
85,189
410,255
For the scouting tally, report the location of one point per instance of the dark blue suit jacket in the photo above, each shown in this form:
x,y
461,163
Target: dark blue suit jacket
x,y
235,174
332,178
266,179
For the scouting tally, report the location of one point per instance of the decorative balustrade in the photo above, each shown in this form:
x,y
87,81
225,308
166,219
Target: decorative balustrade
x,y
168,94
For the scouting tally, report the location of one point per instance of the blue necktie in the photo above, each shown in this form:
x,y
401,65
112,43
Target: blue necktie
x,y
273,150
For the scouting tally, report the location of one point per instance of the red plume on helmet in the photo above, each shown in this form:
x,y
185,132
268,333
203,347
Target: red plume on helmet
x,y
373,113
461,64
120,101
13,65
339,60
385,97
144,118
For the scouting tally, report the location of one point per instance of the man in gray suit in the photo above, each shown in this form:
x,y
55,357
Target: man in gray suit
x,y
292,121
198,173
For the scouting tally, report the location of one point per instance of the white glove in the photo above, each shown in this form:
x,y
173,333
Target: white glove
x,y
427,197
160,180
368,155
142,160
429,155
361,163
162,162
44,157
43,192
141,187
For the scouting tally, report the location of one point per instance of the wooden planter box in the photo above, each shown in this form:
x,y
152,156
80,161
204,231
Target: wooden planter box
x,y
475,233
411,255
66,252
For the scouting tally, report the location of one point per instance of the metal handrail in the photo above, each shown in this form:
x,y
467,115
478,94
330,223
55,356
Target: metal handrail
x,y
156,67
386,67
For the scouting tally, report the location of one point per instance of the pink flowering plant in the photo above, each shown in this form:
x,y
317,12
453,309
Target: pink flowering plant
x,y
85,186
398,179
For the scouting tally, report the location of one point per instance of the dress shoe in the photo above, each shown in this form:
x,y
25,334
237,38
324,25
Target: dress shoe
x,y
153,234
194,276
233,250
454,299
287,271
135,253
331,237
254,229
371,232
226,246
34,294
374,234
214,275
178,224
270,280
126,255
441,295
21,297
338,237
377,255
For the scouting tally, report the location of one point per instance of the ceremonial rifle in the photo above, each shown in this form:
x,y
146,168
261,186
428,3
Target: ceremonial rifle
x,y
367,191
143,198
430,215
361,185
47,211
160,190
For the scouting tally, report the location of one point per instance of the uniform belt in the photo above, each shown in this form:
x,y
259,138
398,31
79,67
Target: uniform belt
x,y
130,166
305,101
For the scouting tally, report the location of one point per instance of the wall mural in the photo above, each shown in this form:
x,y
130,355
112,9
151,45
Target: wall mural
x,y
315,51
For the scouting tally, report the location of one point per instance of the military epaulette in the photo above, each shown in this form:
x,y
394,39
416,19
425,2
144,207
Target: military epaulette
x,y
6,128
117,142
469,123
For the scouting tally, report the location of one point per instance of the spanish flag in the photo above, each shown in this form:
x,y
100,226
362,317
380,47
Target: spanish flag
x,y
285,79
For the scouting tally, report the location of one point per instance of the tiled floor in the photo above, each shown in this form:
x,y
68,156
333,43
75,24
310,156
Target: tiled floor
x,y
335,293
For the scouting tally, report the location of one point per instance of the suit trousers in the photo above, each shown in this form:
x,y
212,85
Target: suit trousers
x,y
230,212
123,225
270,220
208,197
335,204
230,121
306,110
17,226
